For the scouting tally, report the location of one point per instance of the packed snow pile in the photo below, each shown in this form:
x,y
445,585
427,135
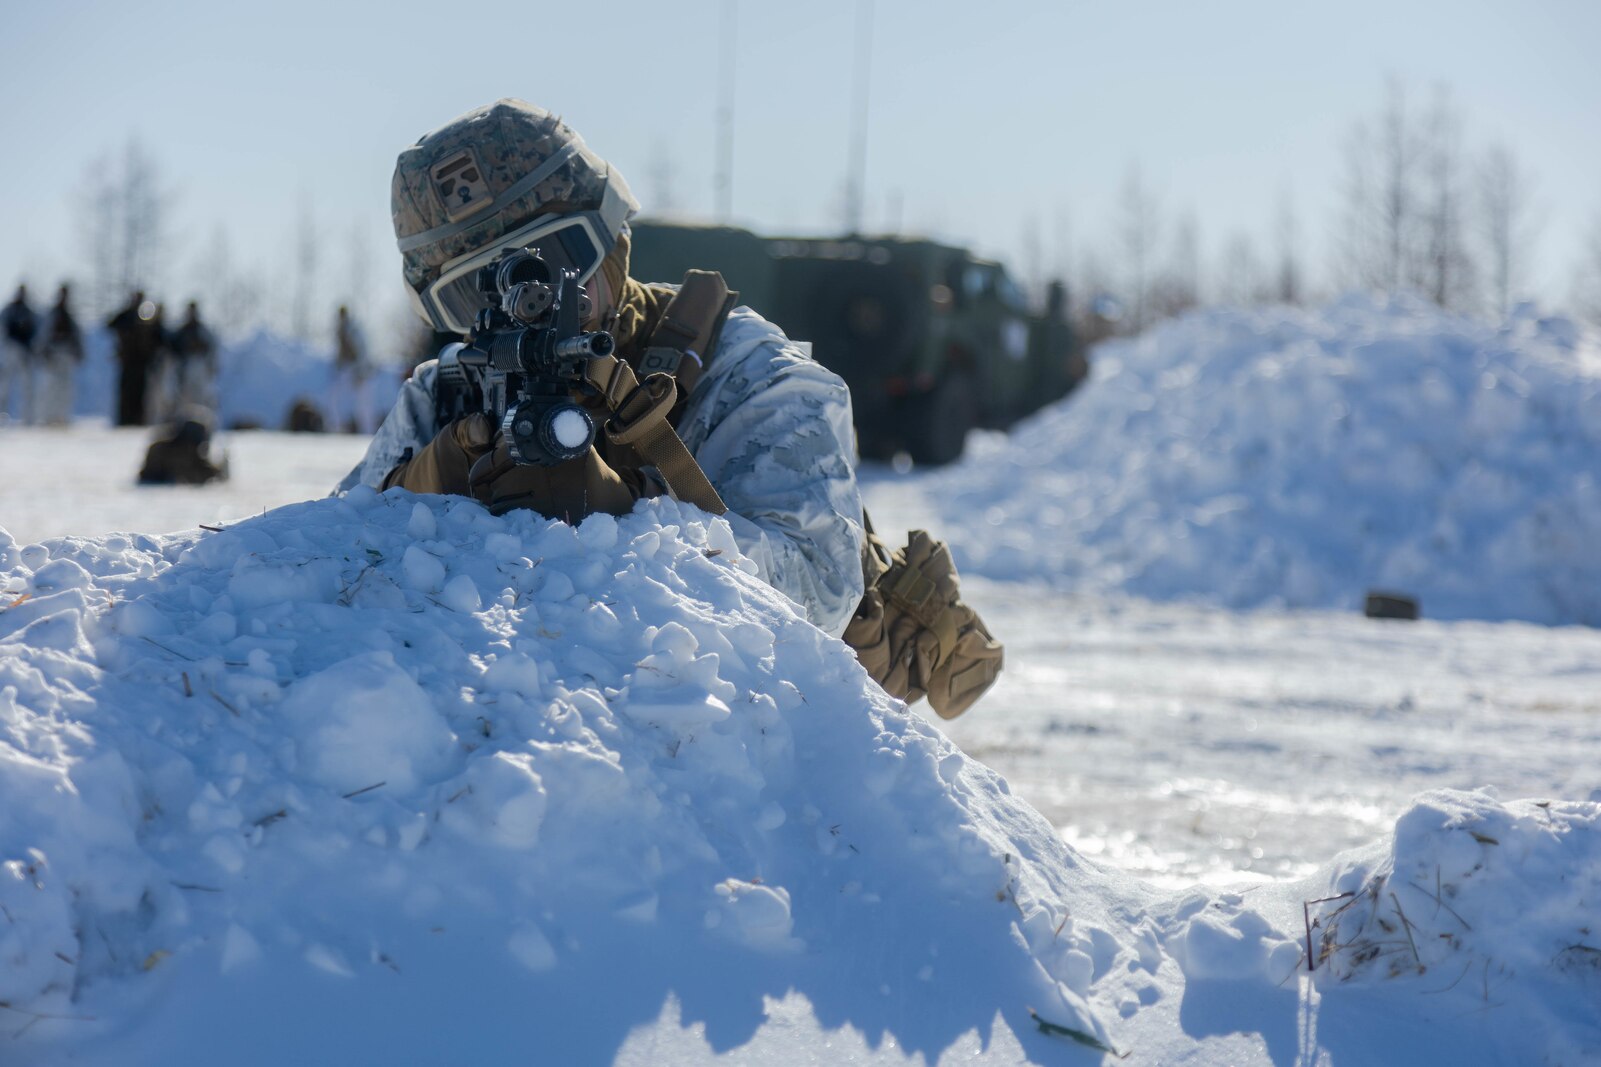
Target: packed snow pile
x,y
1304,457
259,378
1476,902
366,765
388,779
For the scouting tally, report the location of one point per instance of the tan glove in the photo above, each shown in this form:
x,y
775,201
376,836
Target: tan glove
x,y
443,464
915,636
568,491
963,676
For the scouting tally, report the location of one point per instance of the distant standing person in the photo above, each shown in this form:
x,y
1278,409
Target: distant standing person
x,y
60,356
20,325
194,351
352,404
161,403
136,349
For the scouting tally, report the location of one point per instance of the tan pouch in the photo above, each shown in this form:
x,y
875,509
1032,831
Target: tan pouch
x,y
912,632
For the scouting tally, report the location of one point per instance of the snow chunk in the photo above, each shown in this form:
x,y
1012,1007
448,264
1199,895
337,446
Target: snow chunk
x,y
60,574
37,933
422,526
239,949
139,618
531,948
598,531
461,594
1227,942
329,961
514,672
363,721
424,572
499,801
757,916
677,709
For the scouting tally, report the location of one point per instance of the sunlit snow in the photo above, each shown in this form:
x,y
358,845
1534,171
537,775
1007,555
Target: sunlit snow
x,y
387,779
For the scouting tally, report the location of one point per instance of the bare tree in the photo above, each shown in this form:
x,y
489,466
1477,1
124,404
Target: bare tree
x,y
307,259
1138,230
1289,278
1506,227
232,299
123,226
662,176
1448,268
1062,245
1033,254
358,271
1405,203
1587,279
1177,288
1240,275
1381,228
723,174
1100,313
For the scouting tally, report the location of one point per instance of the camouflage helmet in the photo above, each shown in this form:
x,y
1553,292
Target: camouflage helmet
x,y
488,173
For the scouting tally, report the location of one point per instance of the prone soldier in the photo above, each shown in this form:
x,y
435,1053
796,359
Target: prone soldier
x,y
765,428
181,453
679,390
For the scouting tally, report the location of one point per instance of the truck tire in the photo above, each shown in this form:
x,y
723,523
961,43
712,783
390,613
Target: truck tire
x,y
936,431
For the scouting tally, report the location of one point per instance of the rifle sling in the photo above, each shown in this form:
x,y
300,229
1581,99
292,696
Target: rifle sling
x,y
690,326
639,419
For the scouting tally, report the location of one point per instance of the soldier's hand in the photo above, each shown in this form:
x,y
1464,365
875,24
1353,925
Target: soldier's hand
x,y
443,464
567,491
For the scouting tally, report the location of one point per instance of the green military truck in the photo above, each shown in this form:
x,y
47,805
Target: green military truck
x,y
932,340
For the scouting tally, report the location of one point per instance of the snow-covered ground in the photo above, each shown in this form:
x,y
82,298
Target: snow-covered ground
x,y
642,846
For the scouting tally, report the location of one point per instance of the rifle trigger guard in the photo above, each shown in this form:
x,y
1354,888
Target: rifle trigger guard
x,y
642,410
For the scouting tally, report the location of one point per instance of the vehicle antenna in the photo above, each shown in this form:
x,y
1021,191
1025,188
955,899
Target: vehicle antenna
x,y
856,180
724,181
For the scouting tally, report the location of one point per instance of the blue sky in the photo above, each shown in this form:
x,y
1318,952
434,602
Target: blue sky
x,y
986,119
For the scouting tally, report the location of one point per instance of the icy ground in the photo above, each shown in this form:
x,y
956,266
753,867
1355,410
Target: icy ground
x,y
1185,742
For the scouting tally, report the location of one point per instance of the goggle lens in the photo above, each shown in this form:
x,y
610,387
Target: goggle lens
x,y
568,243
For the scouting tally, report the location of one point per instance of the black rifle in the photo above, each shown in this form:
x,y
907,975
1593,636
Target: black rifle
x,y
524,359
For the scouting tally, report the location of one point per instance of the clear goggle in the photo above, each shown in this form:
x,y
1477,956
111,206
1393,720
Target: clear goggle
x,y
565,242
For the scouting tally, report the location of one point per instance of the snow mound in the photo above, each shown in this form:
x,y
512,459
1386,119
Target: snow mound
x,y
1304,457
375,763
1469,936
1479,904
261,376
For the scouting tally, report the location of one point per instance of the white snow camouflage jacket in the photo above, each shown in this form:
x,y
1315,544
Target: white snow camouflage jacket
x,y
771,428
